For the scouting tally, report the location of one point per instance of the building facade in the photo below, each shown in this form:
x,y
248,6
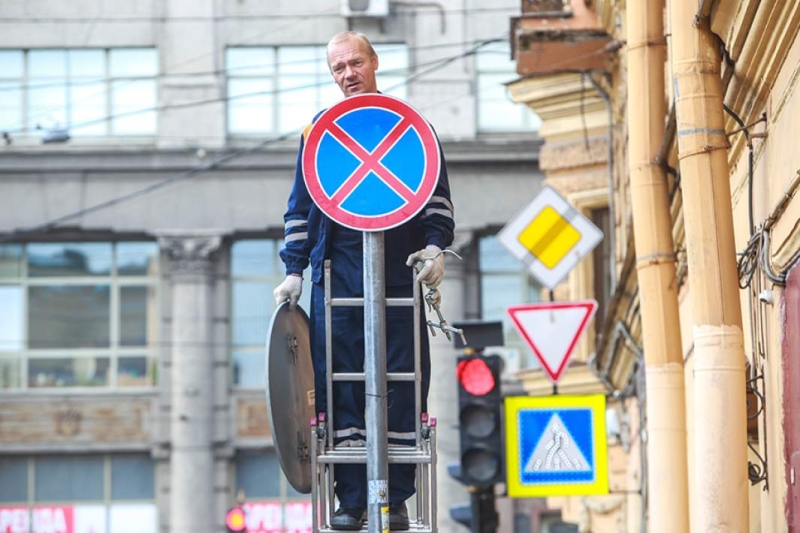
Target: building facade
x,y
148,152
703,355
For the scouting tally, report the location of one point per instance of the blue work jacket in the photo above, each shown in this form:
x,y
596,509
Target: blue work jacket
x,y
307,230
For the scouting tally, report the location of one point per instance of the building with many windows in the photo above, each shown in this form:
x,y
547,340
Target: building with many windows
x,y
148,151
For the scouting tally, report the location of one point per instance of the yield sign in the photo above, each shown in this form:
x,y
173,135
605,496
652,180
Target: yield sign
x,y
552,330
371,162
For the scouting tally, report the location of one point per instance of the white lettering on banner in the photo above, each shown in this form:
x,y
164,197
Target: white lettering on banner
x,y
14,520
52,520
298,517
271,517
90,519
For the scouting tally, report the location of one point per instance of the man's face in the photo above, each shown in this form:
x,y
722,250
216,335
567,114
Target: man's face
x,y
353,68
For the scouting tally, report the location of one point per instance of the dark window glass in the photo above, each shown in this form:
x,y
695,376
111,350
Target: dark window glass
x,y
252,307
61,316
136,304
13,479
69,259
9,373
249,369
495,258
504,282
602,266
68,372
137,259
254,257
10,260
133,372
132,477
64,479
522,523
258,475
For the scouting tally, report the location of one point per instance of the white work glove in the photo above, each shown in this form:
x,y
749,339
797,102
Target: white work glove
x,y
290,289
433,269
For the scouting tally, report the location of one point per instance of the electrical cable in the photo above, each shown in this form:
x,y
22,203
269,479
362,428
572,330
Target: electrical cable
x,y
227,71
272,31
434,64
756,252
243,17
46,226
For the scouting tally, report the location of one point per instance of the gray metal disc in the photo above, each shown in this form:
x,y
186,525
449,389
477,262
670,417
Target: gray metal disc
x,y
290,393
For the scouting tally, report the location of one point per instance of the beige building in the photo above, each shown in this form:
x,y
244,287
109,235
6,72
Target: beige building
x,y
703,237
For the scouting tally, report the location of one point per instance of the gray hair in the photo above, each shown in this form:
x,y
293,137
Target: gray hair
x,y
346,36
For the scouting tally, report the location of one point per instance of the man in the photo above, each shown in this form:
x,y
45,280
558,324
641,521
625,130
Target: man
x,y
310,236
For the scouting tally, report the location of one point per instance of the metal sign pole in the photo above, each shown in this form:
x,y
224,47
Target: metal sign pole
x,y
375,383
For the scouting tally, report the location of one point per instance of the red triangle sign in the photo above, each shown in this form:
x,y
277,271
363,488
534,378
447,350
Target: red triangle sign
x,y
552,330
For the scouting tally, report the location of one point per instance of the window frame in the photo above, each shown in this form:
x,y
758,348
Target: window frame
x,y
324,83
114,351
286,494
517,347
272,281
581,278
530,120
107,501
27,83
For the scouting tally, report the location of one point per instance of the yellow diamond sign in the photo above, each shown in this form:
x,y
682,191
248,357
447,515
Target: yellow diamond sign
x,y
550,236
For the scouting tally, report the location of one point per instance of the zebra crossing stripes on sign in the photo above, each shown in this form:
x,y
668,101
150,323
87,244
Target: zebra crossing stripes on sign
x,y
556,446
550,236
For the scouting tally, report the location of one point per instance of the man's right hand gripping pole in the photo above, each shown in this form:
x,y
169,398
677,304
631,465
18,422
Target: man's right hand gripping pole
x,y
290,289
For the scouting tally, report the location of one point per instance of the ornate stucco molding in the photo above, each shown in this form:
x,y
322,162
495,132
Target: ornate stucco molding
x,y
190,252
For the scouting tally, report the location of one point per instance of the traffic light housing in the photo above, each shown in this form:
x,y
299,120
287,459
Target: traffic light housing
x,y
480,419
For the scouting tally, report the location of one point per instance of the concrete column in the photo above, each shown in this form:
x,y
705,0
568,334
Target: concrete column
x,y
443,396
191,470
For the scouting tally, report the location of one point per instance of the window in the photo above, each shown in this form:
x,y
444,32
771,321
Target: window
x,y
271,502
43,494
505,282
601,263
90,91
78,314
256,269
280,89
496,111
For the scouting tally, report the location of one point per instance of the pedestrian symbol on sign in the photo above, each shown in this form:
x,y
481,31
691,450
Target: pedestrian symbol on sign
x,y
556,451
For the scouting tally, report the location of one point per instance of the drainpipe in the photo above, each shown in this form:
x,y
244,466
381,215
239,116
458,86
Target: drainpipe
x,y
655,264
720,491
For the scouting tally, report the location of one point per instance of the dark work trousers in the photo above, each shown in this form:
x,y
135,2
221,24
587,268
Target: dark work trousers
x,y
346,257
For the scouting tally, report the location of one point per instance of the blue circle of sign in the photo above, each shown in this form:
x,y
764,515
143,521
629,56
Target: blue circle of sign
x,y
368,127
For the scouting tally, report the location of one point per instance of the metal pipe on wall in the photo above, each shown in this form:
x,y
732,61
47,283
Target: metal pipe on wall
x,y
720,489
655,265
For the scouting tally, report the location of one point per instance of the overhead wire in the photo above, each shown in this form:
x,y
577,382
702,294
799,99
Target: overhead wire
x,y
226,71
270,31
54,222
332,13
434,64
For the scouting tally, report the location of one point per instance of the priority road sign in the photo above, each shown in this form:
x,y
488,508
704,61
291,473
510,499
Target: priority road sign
x,y
371,162
552,331
556,446
550,236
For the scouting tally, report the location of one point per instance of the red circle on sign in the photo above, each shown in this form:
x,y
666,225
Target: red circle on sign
x,y
414,200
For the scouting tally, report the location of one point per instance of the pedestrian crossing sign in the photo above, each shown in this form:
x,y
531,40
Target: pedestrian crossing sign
x,y
556,446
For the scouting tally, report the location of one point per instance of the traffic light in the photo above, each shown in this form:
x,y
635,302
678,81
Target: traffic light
x,y
480,416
